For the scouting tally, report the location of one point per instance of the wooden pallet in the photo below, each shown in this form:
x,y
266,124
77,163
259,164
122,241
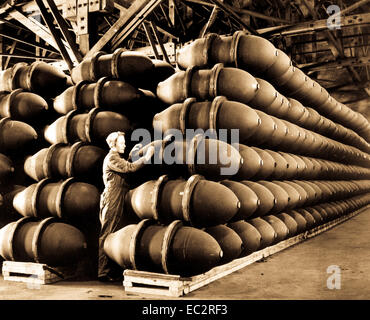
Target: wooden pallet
x,y
36,273
176,286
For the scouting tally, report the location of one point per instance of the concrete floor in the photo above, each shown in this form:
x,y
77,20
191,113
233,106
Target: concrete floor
x,y
299,272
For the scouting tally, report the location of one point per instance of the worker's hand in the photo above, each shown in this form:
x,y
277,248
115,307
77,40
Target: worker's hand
x,y
168,138
136,148
134,151
149,153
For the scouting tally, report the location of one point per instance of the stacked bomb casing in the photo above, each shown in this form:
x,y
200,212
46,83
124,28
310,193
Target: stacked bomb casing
x,y
152,246
301,166
112,92
41,236
18,110
259,57
69,171
297,163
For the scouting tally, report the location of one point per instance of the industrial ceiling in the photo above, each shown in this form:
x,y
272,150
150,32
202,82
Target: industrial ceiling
x,y
328,40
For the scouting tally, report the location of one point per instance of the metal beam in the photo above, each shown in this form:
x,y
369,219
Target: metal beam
x,y
261,16
28,57
326,49
349,8
179,18
170,50
30,43
171,11
166,16
151,40
168,33
210,22
335,46
340,63
122,21
124,3
36,27
319,38
244,11
313,26
11,51
159,41
15,26
31,6
233,15
63,26
49,22
134,23
332,42
83,33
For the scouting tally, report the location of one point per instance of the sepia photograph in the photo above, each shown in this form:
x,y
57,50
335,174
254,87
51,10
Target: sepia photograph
x,y
183,158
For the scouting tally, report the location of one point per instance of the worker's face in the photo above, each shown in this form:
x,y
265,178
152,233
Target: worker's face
x,y
121,144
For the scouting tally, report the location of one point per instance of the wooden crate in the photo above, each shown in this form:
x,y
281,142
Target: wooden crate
x,y
37,273
176,286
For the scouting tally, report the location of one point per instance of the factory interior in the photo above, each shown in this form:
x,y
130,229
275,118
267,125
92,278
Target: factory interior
x,y
185,150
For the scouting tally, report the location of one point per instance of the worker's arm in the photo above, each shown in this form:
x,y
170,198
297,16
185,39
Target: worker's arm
x,y
134,150
118,164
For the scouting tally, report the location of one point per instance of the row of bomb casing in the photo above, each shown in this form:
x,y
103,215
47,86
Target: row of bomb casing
x,y
38,77
209,170
26,91
211,157
259,57
28,239
122,83
204,203
130,67
142,203
184,250
91,115
20,241
47,241
260,95
256,127
71,199
17,139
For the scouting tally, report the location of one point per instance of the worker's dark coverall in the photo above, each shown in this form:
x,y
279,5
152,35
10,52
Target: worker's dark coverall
x,y
112,201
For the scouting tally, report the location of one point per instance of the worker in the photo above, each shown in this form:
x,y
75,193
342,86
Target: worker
x,y
112,215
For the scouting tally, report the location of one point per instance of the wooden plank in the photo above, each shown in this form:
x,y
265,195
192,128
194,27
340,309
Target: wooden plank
x,y
154,291
174,285
37,273
146,274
